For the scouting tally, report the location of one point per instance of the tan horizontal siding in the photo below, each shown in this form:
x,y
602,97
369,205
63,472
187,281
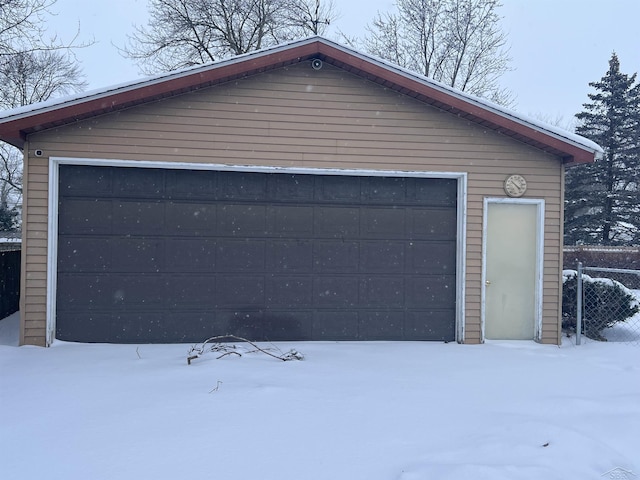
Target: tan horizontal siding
x,y
37,264
318,146
36,308
297,117
410,135
35,234
36,290
37,275
36,304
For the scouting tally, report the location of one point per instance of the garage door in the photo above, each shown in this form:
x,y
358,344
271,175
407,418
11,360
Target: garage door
x,y
155,255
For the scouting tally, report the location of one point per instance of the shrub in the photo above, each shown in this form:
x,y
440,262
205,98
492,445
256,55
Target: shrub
x,y
605,303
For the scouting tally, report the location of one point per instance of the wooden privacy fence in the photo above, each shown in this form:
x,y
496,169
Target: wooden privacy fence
x,y
606,257
9,282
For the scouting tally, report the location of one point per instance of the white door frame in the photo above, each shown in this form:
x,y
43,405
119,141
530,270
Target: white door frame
x,y
539,203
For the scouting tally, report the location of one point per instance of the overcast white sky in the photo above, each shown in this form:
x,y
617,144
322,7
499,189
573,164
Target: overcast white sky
x,y
557,46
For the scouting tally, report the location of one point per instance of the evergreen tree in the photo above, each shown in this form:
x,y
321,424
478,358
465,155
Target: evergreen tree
x,y
602,200
8,218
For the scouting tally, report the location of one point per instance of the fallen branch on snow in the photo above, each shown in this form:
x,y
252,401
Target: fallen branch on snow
x,y
213,345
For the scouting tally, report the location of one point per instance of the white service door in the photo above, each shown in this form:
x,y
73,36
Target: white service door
x,y
511,256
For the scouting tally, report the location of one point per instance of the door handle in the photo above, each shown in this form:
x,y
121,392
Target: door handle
x,y
487,282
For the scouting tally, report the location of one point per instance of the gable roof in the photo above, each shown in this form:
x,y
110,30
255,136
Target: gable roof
x,y
16,124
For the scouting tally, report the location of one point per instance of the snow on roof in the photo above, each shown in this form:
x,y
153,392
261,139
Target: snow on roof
x,y
540,126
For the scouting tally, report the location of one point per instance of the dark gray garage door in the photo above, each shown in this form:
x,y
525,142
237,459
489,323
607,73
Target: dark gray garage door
x,y
153,255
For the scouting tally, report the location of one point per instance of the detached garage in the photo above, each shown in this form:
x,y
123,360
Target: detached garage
x,y
303,192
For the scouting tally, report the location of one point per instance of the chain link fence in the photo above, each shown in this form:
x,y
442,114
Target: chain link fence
x,y
598,307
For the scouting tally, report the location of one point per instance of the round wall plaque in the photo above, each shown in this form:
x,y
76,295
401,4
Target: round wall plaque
x,y
515,185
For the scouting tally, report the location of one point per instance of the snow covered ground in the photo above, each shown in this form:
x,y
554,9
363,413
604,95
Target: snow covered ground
x,y
349,411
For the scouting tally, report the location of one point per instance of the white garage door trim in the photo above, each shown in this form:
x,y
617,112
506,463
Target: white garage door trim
x,y
52,251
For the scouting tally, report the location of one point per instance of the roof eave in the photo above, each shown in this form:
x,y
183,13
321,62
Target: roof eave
x,y
14,129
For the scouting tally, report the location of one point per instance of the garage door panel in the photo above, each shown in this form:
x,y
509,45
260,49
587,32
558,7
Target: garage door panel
x,y
240,290
194,326
336,222
385,292
136,291
431,257
88,216
149,327
138,255
183,255
84,180
89,327
284,325
382,256
109,291
241,220
81,254
431,325
336,256
137,327
138,218
246,323
187,254
289,255
293,188
382,325
139,182
384,190
431,223
294,221
336,291
84,291
187,218
241,186
335,325
289,291
435,194
338,189
190,291
240,255
182,184
436,291
387,223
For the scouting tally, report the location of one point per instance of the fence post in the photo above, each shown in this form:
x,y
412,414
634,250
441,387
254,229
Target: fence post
x,y
579,304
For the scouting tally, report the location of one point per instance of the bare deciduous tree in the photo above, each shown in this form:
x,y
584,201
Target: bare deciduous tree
x,y
30,77
309,17
21,25
456,42
182,33
11,168
33,68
